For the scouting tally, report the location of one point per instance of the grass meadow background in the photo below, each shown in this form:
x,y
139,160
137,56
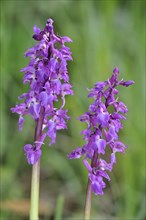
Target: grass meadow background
x,y
105,34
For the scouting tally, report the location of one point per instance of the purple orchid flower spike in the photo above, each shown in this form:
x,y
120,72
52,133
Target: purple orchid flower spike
x,y
48,78
102,131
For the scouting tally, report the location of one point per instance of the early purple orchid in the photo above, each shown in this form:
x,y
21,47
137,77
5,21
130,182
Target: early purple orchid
x,y
103,126
48,77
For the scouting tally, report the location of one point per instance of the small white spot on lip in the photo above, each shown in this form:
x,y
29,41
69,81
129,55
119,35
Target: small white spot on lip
x,y
44,126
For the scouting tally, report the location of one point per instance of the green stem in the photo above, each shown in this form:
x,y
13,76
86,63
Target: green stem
x,y
34,203
87,209
88,200
35,192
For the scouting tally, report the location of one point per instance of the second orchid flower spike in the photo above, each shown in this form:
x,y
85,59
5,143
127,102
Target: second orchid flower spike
x,y
103,126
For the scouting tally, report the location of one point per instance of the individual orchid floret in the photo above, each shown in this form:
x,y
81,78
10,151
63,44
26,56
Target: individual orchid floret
x,y
103,126
48,78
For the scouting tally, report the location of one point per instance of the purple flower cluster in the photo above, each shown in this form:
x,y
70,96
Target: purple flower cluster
x,y
48,77
103,125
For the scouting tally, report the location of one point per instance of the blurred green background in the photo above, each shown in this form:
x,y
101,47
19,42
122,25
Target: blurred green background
x,y
105,34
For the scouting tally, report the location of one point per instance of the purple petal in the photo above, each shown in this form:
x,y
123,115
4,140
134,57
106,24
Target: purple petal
x,y
57,86
86,133
28,147
87,165
60,124
100,145
46,99
19,109
39,36
121,107
116,70
102,119
113,158
103,174
36,107
24,95
66,89
115,115
20,122
111,134
117,124
66,39
62,113
127,83
52,131
30,52
100,86
36,29
84,117
33,156
119,147
77,153
97,184
29,69
104,165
